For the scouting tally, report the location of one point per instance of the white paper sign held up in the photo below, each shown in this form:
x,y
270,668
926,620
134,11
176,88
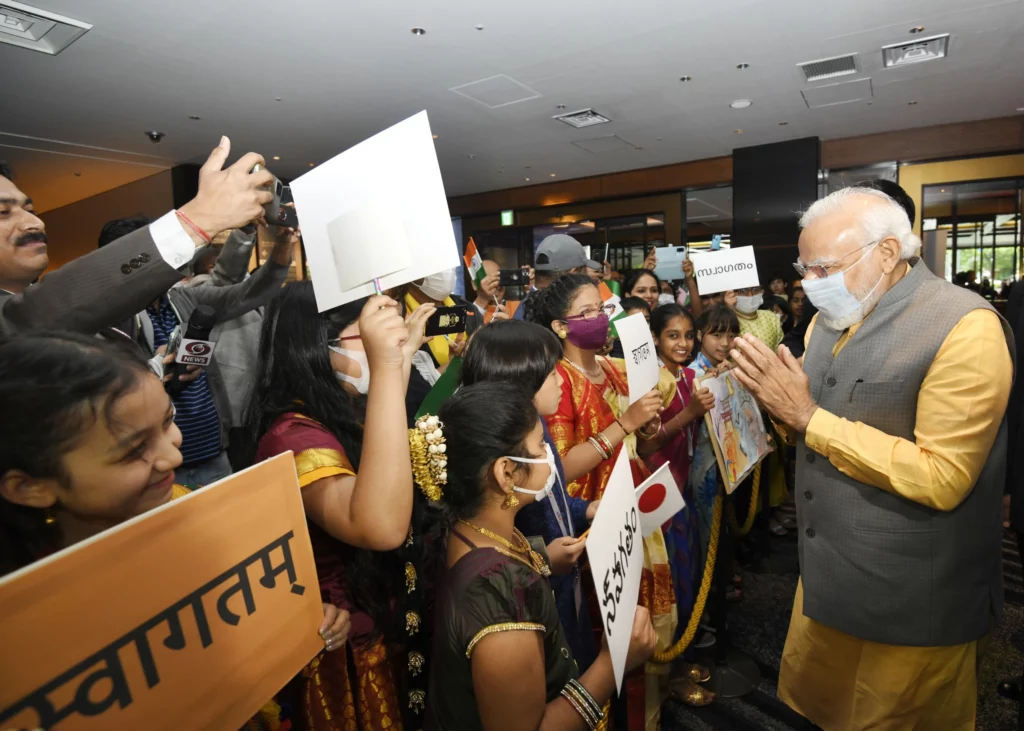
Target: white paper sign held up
x,y
659,499
377,210
720,271
641,357
616,552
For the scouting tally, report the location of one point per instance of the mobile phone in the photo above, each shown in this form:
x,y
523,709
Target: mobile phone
x,y
513,277
446,321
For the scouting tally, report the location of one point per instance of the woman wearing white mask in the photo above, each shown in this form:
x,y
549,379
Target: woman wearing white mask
x,y
526,354
435,356
762,324
330,389
501,659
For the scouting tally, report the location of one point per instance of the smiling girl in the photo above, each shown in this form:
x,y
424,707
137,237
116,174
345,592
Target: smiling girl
x,y
87,441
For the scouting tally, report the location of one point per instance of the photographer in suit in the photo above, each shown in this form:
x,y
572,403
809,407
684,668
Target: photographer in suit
x,y
110,285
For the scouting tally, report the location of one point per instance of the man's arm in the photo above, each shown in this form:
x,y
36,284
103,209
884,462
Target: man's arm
x,y
233,263
234,300
106,286
959,409
113,283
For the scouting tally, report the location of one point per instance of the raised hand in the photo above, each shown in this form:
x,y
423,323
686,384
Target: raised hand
x,y
383,333
231,197
778,382
642,411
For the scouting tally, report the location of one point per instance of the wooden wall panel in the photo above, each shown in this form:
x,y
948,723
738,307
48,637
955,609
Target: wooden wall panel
x,y
926,143
984,137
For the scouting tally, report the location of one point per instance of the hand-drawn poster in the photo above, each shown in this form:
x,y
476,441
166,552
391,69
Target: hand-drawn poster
x,y
736,428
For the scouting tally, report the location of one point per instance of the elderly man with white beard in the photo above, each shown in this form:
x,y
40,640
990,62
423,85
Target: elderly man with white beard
x,y
897,410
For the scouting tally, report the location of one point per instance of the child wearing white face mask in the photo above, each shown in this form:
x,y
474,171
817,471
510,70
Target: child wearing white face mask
x,y
500,651
526,354
762,324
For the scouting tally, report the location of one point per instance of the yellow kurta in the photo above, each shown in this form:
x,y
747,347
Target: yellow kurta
x,y
843,683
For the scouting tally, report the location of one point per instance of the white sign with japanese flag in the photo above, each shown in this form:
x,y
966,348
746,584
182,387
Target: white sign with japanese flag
x,y
616,552
659,499
641,357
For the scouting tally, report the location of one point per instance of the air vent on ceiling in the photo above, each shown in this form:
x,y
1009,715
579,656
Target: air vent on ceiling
x,y
582,118
38,30
829,68
925,49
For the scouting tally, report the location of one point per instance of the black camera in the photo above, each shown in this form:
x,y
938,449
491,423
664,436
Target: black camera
x,y
276,211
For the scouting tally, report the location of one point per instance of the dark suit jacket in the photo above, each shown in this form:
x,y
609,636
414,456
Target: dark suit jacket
x,y
92,292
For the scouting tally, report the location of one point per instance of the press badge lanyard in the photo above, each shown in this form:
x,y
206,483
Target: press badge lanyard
x,y
567,532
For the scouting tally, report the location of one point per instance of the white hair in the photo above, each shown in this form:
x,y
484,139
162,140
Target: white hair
x,y
877,222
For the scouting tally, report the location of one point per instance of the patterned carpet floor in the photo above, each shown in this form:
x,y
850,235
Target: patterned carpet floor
x,y
759,623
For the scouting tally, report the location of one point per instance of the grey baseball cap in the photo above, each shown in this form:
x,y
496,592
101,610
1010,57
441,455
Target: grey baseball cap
x,y
560,253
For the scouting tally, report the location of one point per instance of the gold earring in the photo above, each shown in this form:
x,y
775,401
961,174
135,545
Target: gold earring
x,y
50,518
562,335
510,501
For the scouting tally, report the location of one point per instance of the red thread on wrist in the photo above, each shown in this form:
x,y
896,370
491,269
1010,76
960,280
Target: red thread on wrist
x,y
199,232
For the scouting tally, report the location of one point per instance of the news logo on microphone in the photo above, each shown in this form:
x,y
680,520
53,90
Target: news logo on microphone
x,y
195,352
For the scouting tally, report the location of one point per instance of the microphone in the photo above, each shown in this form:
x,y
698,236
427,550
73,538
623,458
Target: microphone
x,y
195,347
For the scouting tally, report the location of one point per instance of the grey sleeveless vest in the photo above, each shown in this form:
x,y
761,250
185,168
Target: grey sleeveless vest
x,y
876,565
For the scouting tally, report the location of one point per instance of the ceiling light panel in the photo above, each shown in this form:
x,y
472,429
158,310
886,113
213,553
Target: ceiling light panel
x,y
38,30
582,118
924,49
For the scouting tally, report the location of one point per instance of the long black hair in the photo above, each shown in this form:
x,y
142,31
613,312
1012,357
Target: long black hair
x,y
53,387
294,374
554,301
635,275
483,423
511,351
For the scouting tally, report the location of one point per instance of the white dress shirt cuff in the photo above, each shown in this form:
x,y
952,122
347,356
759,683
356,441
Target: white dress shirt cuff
x,y
172,241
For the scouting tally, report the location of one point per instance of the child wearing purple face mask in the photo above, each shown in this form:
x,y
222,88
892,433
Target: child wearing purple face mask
x,y
594,421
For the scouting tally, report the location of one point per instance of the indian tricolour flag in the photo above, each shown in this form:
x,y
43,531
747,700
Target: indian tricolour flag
x,y
610,298
474,264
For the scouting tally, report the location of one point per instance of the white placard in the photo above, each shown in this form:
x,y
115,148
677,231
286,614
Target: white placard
x,y
388,254
195,352
641,357
725,269
616,553
659,499
395,174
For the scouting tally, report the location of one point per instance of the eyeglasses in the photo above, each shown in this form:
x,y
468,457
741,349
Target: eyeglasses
x,y
820,271
594,314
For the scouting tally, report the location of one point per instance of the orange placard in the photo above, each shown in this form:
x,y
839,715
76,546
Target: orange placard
x,y
191,616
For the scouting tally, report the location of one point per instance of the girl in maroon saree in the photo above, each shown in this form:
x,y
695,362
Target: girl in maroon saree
x,y
331,390
674,334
